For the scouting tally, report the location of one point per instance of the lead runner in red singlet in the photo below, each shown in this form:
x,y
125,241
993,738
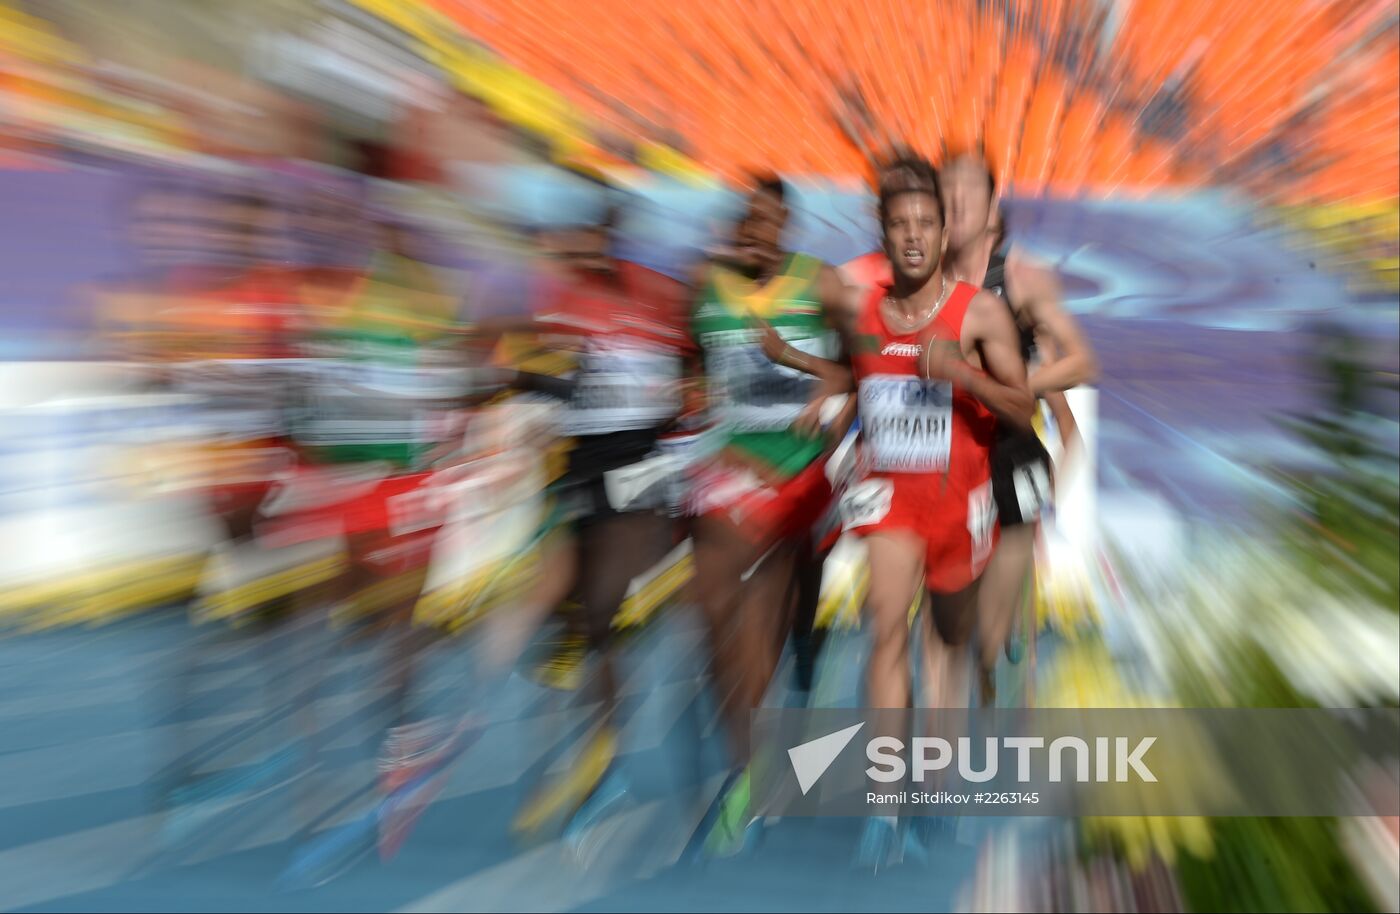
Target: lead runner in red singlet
x,y
936,364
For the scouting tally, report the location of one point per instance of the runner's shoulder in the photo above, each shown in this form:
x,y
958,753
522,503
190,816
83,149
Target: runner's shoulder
x,y
1025,269
652,284
840,296
985,305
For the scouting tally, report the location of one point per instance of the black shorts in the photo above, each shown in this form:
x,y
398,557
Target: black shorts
x,y
1020,479
582,491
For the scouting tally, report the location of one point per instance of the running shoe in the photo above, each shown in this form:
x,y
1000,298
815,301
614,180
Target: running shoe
x,y
562,667
410,750
563,796
735,829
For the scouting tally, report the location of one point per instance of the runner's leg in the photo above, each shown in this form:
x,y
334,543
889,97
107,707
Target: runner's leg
x,y
896,573
896,559
765,609
722,556
954,620
1003,586
614,550
806,639
506,633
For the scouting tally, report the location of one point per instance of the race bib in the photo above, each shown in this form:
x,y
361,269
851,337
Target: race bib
x,y
367,403
622,388
241,399
640,485
387,380
866,503
981,522
755,394
417,509
907,423
1032,486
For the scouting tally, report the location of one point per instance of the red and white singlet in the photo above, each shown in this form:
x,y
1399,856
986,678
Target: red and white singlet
x,y
926,446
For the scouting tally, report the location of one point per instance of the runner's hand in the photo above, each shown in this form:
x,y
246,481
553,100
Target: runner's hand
x,y
809,421
774,346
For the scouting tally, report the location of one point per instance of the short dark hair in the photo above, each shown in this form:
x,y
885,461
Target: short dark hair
x,y
770,184
910,175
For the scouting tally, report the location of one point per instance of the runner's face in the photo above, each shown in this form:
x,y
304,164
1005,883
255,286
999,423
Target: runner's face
x,y
914,235
589,249
966,200
758,240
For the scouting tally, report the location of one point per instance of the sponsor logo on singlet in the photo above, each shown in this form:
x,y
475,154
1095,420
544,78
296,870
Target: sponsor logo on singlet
x,y
910,350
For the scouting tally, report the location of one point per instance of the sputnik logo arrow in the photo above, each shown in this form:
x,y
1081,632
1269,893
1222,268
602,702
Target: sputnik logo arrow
x,y
811,759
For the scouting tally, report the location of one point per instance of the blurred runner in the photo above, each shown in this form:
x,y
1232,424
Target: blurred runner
x,y
762,323
220,332
1021,471
624,325
382,384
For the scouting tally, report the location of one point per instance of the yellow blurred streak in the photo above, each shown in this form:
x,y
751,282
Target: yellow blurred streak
x,y
380,596
653,591
519,98
31,38
234,603
152,585
1354,235
97,595
843,595
1084,675
1064,601
467,600
667,161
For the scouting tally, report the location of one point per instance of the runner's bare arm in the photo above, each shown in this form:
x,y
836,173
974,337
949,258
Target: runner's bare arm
x,y
1001,382
840,301
1065,424
1037,290
835,376
694,388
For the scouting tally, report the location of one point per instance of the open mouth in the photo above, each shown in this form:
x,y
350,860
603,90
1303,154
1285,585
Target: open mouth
x,y
913,257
